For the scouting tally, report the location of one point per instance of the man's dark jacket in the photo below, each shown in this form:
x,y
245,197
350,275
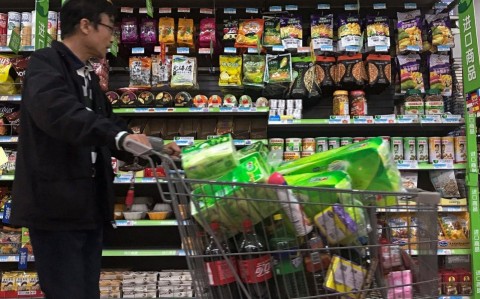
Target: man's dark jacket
x,y
56,185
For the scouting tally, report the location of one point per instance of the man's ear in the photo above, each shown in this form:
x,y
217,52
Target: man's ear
x,y
84,26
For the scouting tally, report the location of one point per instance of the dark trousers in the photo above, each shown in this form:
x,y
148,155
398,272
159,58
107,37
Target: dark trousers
x,y
68,262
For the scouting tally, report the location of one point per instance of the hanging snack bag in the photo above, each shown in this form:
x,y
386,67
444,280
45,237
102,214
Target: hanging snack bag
x,y
271,35
291,32
440,30
326,71
379,70
183,71
185,32
230,70
207,35
410,75
299,88
351,71
378,32
349,32
253,70
140,71
409,31
166,29
129,29
148,32
279,68
230,31
161,70
441,74
321,31
101,69
250,33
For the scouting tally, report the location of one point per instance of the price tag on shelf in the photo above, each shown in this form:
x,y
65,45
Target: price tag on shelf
x,y
440,5
443,164
431,119
204,51
195,109
183,50
381,48
413,48
385,119
252,50
184,141
407,164
165,10
212,136
367,119
138,50
323,6
352,48
326,48
229,10
230,50
442,48
142,10
451,119
351,7
303,50
410,5
379,6
291,7
407,119
251,10
158,49
278,49
275,8
183,9
3,98
206,11
339,119
126,9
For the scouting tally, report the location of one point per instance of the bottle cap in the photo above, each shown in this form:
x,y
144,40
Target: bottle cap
x,y
214,226
277,217
247,224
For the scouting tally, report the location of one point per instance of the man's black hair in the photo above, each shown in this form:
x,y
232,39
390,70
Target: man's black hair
x,y
75,10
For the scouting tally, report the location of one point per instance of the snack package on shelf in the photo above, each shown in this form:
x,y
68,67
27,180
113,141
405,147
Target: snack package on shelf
x,y
326,72
279,68
7,84
230,31
373,155
351,71
441,74
349,32
185,32
166,31
230,70
253,70
207,37
409,31
129,29
321,31
184,71
249,33
378,32
148,32
444,183
140,71
161,70
291,32
410,74
379,69
303,84
271,35
440,30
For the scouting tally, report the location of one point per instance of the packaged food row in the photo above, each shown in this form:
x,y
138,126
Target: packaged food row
x,y
414,104
12,72
328,32
455,281
19,281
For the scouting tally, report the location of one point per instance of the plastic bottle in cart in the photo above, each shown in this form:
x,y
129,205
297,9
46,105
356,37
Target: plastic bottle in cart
x,y
317,260
254,269
220,276
288,264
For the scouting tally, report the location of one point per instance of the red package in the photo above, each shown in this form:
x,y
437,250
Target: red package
x,y
449,280
207,33
464,279
101,69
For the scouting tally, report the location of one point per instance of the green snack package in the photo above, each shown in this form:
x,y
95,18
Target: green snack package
x,y
210,159
316,200
257,147
369,164
231,204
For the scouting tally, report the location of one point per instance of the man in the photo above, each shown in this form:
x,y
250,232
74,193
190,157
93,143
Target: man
x,y
63,190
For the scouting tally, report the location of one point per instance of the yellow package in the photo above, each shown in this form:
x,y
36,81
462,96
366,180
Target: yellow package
x,y
7,85
230,71
166,31
185,32
336,225
454,226
9,281
344,276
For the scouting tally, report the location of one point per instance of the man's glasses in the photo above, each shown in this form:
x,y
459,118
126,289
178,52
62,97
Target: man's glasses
x,y
108,26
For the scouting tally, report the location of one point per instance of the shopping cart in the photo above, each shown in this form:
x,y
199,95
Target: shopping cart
x,y
272,241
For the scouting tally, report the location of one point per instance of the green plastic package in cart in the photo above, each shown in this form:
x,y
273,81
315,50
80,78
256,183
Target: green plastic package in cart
x,y
230,204
315,201
257,147
369,164
210,159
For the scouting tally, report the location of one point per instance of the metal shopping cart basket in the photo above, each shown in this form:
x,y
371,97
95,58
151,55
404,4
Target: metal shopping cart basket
x,y
272,241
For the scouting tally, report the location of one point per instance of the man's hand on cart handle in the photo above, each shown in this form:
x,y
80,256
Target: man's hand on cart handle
x,y
137,144
173,150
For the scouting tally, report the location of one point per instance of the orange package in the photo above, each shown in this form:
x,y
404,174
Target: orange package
x,y
249,33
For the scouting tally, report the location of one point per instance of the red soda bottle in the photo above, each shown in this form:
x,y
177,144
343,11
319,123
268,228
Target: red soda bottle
x,y
255,269
220,275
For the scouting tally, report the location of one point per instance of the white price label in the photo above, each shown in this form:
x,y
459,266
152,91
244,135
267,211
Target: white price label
x,y
3,98
440,5
230,10
303,50
138,50
323,6
184,141
431,119
184,10
126,10
385,119
230,50
381,48
142,10
291,7
367,119
451,119
204,51
326,48
251,10
158,49
275,9
413,48
407,119
252,50
443,164
410,5
165,10
379,6
278,48
407,164
206,11
443,48
183,50
352,48
351,7
339,119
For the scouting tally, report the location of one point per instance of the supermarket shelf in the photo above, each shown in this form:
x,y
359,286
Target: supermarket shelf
x,y
143,252
191,111
461,251
8,140
22,294
126,179
7,177
237,142
131,223
11,98
13,258
415,208
22,49
441,164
